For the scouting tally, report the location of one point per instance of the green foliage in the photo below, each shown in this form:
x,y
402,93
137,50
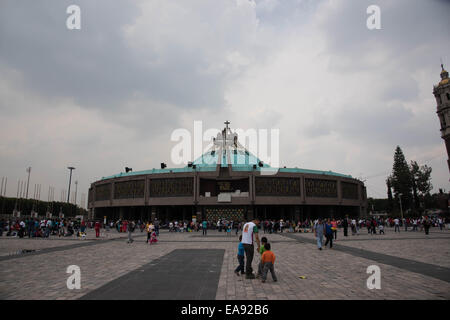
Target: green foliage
x,y
413,182
421,176
401,178
378,204
7,206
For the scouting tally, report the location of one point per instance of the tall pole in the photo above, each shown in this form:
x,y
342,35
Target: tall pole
x,y
29,171
4,190
70,180
76,188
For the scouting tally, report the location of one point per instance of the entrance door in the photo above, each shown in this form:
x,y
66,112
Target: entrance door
x,y
213,214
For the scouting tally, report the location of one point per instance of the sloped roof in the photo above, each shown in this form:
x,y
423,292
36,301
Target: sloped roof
x,y
226,150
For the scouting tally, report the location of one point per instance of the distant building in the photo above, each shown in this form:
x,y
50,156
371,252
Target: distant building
x,y
226,182
442,93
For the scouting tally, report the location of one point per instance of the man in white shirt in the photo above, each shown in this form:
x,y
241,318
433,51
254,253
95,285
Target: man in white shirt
x,y
250,229
441,223
414,224
396,225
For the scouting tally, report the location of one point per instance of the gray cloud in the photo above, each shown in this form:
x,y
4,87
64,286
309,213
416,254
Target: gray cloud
x,y
109,95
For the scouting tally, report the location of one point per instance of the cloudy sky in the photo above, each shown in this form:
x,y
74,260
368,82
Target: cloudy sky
x,y
111,94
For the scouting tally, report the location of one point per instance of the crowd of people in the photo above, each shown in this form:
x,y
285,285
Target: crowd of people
x,y
33,227
329,227
36,228
249,232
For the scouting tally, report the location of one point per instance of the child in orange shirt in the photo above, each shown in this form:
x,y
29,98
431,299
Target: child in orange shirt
x,y
268,262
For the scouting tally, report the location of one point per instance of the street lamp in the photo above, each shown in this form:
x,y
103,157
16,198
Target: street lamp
x,y
76,188
70,180
29,171
400,199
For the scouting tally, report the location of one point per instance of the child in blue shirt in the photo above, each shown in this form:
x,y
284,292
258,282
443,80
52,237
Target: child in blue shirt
x,y
240,257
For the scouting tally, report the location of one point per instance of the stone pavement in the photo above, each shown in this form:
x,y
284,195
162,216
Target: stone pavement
x,y
336,273
183,274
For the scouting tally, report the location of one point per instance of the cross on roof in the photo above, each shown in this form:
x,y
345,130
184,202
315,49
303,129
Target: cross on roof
x,y
227,123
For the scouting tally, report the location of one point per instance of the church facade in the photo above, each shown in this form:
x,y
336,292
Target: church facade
x,y
441,92
227,182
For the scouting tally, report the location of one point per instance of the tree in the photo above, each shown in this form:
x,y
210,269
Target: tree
x,y
421,181
422,178
377,204
401,178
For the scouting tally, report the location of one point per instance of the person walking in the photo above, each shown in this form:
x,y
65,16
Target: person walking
x,y
426,225
396,225
149,232
319,229
205,227
334,227
29,223
345,226
261,251
329,233
381,227
97,229
441,223
414,224
240,257
268,262
21,229
153,238
249,230
373,225
130,228
353,226
83,228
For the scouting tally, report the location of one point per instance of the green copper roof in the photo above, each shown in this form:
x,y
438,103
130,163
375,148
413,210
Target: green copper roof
x,y
236,168
230,152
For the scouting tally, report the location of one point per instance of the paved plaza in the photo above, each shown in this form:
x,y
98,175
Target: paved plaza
x,y
192,266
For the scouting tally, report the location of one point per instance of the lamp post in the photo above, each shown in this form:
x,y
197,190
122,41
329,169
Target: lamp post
x,y
400,199
76,188
29,171
70,180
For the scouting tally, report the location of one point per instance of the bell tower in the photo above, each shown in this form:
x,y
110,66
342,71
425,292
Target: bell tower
x,y
442,93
